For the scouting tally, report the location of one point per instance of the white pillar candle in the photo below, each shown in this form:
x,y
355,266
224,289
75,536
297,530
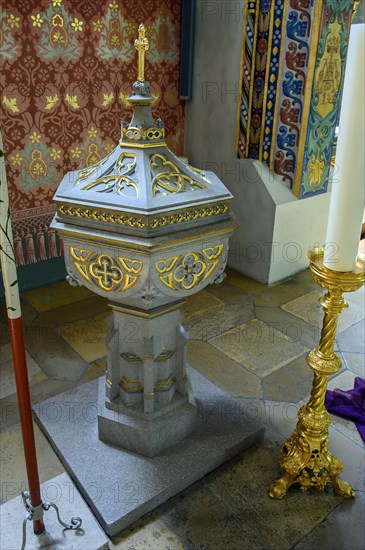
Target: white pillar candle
x,y
348,190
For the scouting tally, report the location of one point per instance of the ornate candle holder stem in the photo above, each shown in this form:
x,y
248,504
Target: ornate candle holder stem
x,y
305,458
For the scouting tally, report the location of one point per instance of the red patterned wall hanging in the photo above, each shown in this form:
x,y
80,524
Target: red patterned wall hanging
x,y
67,67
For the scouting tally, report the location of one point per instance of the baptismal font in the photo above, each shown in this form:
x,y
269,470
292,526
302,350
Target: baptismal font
x,y
144,230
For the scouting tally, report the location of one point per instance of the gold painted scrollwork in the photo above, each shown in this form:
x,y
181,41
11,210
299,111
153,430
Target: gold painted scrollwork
x,y
185,272
108,273
167,178
190,214
213,256
200,173
119,182
132,133
125,167
85,173
121,218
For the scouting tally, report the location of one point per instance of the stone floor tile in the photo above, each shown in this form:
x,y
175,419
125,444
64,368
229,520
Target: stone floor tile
x,y
87,337
280,418
70,313
292,326
225,373
13,473
347,428
309,309
199,304
95,370
356,298
28,316
251,517
53,354
355,362
258,347
279,294
149,533
7,377
39,391
218,321
343,380
353,339
306,278
4,332
231,294
55,295
342,528
202,520
243,282
28,312
290,383
352,456
246,481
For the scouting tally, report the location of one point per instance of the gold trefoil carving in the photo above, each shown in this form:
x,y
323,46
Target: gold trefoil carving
x,y
167,178
108,273
184,272
120,182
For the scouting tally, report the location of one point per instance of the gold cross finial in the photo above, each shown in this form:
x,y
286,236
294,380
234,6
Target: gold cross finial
x,y
141,44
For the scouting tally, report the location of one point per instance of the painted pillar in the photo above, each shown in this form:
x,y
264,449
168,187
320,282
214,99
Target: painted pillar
x,y
292,71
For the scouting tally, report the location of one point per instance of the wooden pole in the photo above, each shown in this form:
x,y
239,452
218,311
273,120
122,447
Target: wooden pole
x,y
10,279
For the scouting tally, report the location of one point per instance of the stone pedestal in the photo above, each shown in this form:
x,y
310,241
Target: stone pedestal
x,y
146,433
145,401
119,485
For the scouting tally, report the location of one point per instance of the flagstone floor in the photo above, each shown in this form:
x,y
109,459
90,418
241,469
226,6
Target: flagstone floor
x,y
249,339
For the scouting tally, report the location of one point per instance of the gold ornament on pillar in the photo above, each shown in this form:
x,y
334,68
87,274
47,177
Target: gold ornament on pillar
x,y
305,458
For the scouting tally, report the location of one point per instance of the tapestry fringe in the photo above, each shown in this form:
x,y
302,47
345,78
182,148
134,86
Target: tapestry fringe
x,y
18,249
35,247
42,252
34,239
52,243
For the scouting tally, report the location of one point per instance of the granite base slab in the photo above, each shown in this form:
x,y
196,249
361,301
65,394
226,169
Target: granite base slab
x,y
121,486
63,493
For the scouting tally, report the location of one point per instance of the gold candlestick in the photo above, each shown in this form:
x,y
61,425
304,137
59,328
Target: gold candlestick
x,y
305,458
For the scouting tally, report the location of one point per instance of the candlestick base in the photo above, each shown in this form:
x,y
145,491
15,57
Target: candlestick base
x,y
305,458
35,513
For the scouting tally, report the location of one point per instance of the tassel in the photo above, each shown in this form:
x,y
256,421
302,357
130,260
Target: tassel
x,y
18,249
62,252
52,243
42,252
31,253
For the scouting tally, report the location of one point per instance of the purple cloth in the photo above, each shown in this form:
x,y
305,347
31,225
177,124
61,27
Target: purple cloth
x,y
349,404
